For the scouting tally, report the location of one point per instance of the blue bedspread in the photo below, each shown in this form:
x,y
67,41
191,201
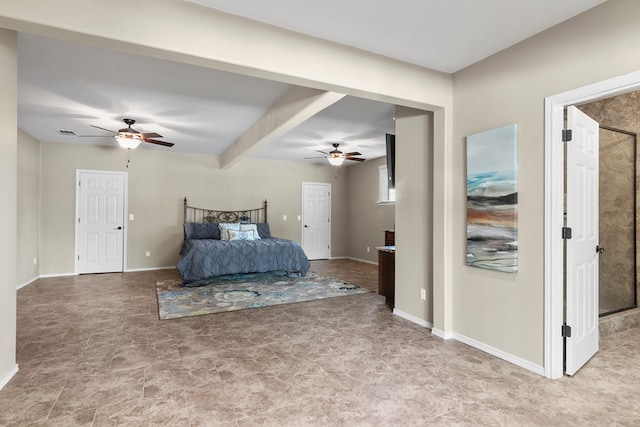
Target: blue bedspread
x,y
204,258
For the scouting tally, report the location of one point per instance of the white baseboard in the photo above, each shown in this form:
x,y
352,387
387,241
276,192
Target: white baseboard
x,y
354,259
412,318
500,354
44,276
131,270
363,260
537,369
442,334
28,282
7,377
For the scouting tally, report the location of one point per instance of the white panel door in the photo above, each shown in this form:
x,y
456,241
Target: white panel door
x,y
316,220
582,256
100,222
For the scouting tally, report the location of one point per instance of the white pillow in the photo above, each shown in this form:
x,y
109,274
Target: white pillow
x,y
252,227
224,226
241,234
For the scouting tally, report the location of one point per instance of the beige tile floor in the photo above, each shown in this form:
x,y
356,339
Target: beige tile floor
x,y
92,352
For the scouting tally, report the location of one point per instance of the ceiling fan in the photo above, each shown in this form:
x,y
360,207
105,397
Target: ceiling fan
x,y
337,157
131,138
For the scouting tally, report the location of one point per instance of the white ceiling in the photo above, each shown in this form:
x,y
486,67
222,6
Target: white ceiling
x,y
445,35
70,86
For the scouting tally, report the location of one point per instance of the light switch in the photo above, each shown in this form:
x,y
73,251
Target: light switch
x,y
299,217
284,217
130,217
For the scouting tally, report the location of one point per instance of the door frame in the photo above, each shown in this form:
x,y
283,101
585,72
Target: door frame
x,y
554,208
125,217
328,184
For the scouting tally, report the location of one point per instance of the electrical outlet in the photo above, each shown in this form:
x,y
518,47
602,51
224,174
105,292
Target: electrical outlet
x,y
423,294
368,249
148,253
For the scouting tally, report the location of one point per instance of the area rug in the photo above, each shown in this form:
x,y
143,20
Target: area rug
x,y
241,292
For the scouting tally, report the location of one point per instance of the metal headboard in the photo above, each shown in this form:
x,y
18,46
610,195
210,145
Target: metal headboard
x,y
193,214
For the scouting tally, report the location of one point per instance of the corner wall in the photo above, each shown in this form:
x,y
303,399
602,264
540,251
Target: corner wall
x,y
28,208
367,220
414,214
8,189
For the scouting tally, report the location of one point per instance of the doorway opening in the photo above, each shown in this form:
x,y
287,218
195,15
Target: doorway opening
x,y
554,208
618,181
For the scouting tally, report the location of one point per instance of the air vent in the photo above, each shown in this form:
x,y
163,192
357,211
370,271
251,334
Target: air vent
x,y
66,132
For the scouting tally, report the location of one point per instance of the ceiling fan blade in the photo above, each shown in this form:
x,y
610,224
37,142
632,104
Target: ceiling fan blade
x,y
155,141
94,136
318,157
323,152
355,159
353,153
98,127
151,135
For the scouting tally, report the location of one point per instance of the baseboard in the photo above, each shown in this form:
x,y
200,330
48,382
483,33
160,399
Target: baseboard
x,y
363,260
131,270
500,354
354,259
442,334
412,318
44,276
28,282
7,377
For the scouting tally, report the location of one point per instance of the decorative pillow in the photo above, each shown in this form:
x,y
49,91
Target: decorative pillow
x,y
224,226
263,229
252,227
241,234
196,230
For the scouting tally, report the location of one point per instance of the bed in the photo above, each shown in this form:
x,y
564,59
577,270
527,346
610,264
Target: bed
x,y
221,243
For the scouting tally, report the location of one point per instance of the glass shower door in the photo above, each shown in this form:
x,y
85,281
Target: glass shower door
x,y
617,220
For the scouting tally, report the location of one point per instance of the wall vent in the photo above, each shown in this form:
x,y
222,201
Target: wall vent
x,y
66,132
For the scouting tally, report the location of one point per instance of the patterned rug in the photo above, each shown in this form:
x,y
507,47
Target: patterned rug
x,y
239,292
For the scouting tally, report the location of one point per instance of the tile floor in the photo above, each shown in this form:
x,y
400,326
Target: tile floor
x,y
92,352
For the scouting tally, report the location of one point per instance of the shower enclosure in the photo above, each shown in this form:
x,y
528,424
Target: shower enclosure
x,y
618,184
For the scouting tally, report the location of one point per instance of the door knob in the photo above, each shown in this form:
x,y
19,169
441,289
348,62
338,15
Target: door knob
x,y
306,226
599,249
118,228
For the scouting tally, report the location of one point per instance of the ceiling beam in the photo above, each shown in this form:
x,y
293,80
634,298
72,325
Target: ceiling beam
x,y
298,105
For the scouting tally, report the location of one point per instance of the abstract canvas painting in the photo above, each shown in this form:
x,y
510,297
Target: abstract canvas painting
x,y
492,199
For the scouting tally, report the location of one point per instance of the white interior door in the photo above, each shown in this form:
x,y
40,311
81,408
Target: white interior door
x,y
581,253
316,220
100,221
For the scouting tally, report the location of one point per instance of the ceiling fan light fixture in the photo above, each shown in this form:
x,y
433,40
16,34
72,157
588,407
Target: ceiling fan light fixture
x,y
335,160
128,140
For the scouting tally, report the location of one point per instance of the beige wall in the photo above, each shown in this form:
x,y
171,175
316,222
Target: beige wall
x,y
367,220
8,187
28,207
414,212
505,310
158,181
